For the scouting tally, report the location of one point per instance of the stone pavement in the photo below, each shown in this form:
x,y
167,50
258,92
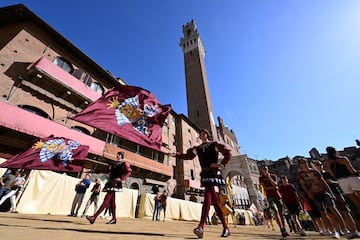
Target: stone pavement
x,y
16,226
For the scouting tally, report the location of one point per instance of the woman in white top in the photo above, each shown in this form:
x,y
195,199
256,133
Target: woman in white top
x,y
16,185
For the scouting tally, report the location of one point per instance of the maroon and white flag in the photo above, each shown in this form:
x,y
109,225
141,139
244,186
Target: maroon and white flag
x,y
129,112
51,153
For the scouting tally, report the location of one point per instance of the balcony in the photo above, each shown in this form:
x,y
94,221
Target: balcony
x,y
50,80
144,166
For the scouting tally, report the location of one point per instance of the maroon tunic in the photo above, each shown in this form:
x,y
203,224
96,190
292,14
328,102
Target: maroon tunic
x,y
208,153
289,194
273,191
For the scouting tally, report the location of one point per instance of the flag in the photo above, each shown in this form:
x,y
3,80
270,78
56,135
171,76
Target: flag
x,y
129,112
51,153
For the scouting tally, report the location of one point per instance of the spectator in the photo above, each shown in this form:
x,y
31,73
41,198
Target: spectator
x,y
193,198
15,187
106,211
156,207
80,190
6,181
163,201
155,189
317,189
94,197
291,200
339,201
312,212
347,177
269,183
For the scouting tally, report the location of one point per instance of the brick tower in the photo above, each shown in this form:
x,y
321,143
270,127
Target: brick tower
x,y
197,90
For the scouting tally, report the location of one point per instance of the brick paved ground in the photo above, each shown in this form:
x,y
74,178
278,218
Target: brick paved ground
x,y
52,227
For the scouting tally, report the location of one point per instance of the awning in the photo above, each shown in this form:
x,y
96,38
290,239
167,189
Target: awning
x,y
37,126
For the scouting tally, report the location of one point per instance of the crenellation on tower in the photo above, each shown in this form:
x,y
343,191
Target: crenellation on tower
x,y
191,39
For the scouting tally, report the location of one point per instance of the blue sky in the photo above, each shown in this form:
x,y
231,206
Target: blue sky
x,y
284,75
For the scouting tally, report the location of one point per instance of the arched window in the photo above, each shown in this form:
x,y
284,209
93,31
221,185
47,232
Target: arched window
x,y
97,87
134,186
81,129
35,110
60,62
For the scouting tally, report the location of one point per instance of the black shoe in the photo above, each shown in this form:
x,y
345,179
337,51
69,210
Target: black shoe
x,y
91,219
112,221
284,233
225,233
198,232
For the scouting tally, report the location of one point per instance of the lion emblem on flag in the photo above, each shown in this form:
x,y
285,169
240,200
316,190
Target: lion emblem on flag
x,y
130,111
56,147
